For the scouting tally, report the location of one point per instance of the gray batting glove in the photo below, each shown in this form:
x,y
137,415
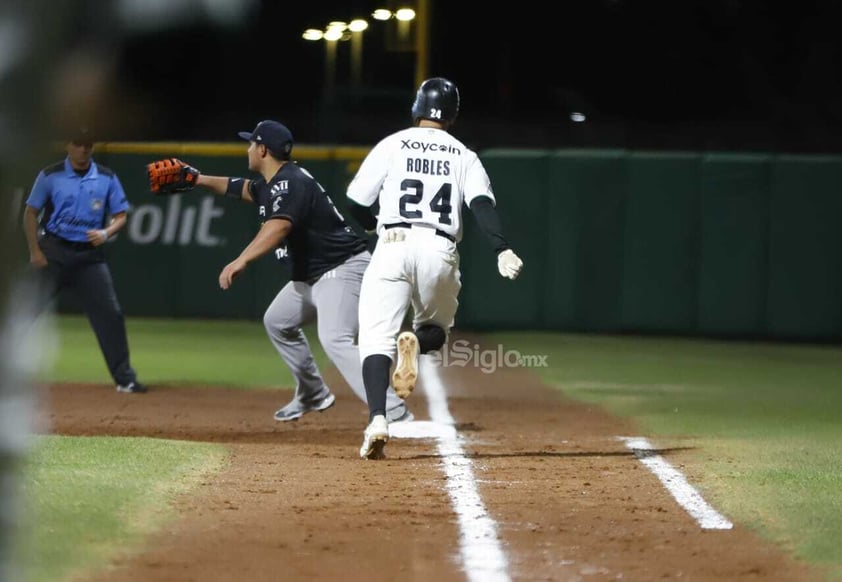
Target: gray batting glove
x,y
509,264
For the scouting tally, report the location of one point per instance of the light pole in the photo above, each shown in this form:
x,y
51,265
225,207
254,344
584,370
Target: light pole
x,y
333,33
357,26
420,44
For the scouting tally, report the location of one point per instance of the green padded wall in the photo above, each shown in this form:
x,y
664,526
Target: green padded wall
x,y
487,300
733,262
716,244
660,242
805,251
583,272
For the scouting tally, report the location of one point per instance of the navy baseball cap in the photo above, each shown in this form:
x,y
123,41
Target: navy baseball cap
x,y
81,136
273,134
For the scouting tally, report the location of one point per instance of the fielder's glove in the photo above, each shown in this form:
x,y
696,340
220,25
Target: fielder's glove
x,y
509,264
171,176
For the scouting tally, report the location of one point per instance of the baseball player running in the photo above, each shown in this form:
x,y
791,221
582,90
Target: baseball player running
x,y
420,176
327,257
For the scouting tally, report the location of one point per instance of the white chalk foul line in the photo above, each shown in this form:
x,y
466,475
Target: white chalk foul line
x,y
482,555
675,482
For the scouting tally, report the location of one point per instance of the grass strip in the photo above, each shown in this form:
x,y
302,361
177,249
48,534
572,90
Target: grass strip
x,y
90,499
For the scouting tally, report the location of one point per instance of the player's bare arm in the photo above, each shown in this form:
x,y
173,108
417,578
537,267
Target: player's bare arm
x,y
270,236
100,236
30,228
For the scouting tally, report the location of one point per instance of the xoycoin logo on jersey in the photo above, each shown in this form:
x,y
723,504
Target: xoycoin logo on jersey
x,y
462,353
429,147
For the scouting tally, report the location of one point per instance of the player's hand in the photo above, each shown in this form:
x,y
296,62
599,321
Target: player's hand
x,y
231,270
37,259
97,237
509,264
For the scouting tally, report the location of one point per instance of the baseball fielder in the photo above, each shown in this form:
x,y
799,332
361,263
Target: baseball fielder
x,y
300,223
421,177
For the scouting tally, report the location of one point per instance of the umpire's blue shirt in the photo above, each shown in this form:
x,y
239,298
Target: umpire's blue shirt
x,y
76,204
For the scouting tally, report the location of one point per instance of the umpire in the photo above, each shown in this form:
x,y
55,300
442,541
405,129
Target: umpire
x,y
83,206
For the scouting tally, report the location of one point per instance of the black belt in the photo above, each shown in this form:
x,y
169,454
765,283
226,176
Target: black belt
x,y
441,233
71,244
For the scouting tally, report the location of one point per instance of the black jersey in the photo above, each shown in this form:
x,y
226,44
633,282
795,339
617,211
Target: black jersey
x,y
320,238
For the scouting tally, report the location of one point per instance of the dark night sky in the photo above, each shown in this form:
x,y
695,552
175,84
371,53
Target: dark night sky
x,y
663,73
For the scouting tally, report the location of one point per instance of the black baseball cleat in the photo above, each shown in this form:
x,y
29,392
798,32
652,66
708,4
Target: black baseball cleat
x,y
132,388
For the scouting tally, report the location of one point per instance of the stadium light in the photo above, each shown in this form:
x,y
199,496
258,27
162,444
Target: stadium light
x,y
402,14
313,34
358,25
338,30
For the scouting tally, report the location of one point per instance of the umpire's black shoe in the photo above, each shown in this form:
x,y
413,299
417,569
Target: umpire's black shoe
x,y
132,387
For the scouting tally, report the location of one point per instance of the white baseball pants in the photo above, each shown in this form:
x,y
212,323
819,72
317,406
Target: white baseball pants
x,y
421,270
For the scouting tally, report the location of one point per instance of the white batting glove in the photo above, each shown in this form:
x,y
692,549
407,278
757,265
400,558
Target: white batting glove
x,y
509,264
393,235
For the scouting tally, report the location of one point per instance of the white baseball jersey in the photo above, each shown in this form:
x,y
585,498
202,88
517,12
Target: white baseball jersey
x,y
421,175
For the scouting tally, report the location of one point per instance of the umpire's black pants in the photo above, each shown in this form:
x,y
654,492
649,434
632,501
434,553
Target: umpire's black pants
x,y
82,268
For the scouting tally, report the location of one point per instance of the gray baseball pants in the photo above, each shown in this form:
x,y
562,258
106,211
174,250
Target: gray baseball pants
x,y
333,302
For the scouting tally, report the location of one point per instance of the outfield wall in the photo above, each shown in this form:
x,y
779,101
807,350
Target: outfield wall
x,y
739,245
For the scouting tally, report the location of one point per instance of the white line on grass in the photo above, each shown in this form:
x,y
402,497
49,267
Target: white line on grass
x,y
677,485
482,555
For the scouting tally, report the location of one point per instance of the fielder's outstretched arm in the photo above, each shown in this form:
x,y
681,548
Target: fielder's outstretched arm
x,y
237,188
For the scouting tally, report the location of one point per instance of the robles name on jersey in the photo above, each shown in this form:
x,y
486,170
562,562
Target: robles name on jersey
x,y
425,166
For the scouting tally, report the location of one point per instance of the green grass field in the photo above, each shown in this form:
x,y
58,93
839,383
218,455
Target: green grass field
x,y
763,421
89,499
235,354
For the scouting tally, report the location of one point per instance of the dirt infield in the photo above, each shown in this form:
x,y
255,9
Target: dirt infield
x,y
568,500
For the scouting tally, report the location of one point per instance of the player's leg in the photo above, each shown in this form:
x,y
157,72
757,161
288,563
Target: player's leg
x,y
95,289
49,281
336,297
384,298
292,308
431,337
434,302
436,298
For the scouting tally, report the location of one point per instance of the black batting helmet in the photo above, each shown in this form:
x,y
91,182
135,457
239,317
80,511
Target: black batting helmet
x,y
437,99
